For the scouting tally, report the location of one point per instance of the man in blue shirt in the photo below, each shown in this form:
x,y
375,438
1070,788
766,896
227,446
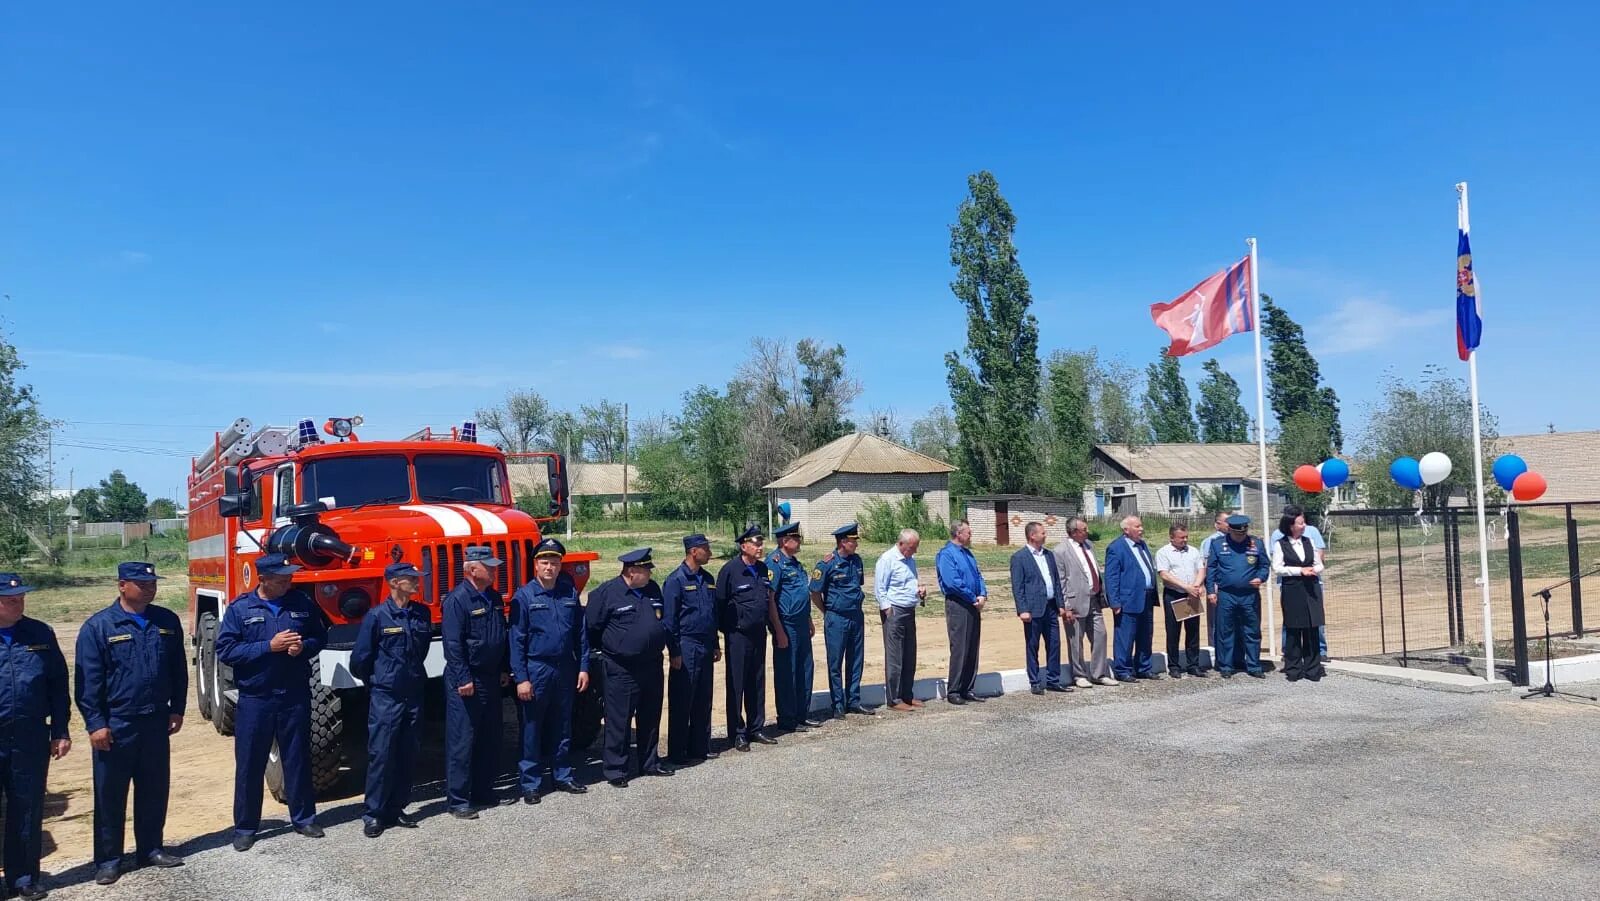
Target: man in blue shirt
x,y
390,656
1320,545
473,633
270,636
791,666
895,583
132,685
34,709
964,596
836,590
550,662
690,614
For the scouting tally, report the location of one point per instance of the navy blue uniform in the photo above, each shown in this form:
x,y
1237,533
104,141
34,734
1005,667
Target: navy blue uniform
x,y
1230,566
743,594
390,651
838,579
33,712
474,638
132,677
274,700
792,668
691,616
625,624
549,648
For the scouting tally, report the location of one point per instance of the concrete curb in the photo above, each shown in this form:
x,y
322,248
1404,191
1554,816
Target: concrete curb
x,y
1417,678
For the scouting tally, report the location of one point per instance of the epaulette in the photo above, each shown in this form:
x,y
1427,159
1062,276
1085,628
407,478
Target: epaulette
x,y
828,559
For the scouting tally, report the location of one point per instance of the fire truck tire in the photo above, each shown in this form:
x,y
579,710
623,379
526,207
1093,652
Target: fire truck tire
x,y
205,660
223,710
326,742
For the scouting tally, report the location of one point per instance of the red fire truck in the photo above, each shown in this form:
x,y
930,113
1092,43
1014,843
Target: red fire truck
x,y
344,509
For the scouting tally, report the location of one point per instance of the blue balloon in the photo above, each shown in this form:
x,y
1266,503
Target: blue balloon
x,y
1335,472
1507,468
1407,473
783,511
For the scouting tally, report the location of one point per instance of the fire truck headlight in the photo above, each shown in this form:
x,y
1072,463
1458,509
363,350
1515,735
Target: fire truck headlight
x,y
355,603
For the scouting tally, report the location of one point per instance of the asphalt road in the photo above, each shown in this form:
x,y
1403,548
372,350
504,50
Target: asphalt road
x,y
1170,790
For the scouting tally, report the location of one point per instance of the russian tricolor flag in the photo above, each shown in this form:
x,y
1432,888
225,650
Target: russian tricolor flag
x,y
1469,316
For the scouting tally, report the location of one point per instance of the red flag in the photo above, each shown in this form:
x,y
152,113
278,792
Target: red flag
x,y
1210,311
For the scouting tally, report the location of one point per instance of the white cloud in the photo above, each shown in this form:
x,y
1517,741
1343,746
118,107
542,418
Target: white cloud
x,y
1360,324
623,351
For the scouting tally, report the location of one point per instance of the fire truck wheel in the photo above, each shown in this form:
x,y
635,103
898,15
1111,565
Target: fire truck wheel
x,y
326,742
223,710
205,661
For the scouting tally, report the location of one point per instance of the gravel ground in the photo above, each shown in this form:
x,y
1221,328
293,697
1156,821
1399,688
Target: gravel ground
x,y
1170,790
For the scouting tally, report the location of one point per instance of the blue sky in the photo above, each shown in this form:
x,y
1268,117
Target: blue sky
x,y
406,209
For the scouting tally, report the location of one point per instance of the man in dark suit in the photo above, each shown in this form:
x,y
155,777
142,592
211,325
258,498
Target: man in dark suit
x,y
1036,587
1131,591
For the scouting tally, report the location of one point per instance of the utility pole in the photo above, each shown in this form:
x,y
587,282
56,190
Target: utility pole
x,y
625,462
50,479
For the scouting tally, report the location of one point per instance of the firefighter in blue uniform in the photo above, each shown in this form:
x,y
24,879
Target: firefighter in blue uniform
x,y
836,590
624,622
270,636
473,633
745,611
690,613
390,651
34,709
550,663
132,682
1236,566
792,670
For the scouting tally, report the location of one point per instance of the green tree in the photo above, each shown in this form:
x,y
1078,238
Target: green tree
x,y
604,427
996,397
122,500
1294,380
935,434
87,500
163,508
1303,439
1117,417
1069,412
22,439
1166,402
1223,419
1410,420
826,392
520,424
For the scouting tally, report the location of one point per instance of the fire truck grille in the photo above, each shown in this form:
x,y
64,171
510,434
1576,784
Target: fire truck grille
x,y
449,559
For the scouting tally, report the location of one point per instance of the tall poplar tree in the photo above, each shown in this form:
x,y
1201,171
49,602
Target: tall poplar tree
x,y
1166,402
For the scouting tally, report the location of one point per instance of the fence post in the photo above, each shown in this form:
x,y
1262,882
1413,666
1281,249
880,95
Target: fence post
x,y
1519,616
1574,571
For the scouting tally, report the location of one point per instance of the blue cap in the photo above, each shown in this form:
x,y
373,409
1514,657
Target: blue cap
x,y
750,531
695,540
11,585
136,572
276,565
640,557
482,553
549,548
846,531
1238,521
790,529
401,570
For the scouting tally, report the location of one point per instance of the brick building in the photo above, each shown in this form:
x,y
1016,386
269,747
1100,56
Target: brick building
x,y
828,487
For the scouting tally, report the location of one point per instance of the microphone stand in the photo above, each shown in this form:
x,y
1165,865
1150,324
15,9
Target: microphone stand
x,y
1548,689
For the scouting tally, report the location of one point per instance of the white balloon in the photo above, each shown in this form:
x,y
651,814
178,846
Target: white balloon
x,y
1435,468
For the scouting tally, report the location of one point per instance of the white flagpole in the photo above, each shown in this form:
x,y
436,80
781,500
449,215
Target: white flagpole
x,y
1463,223
1261,440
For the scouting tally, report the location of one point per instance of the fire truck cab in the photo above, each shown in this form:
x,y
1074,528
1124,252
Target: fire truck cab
x,y
344,509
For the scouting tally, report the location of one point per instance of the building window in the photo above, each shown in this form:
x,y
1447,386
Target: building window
x,y
1234,496
916,497
1178,497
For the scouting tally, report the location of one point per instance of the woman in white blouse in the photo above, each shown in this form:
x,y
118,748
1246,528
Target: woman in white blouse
x,y
1295,560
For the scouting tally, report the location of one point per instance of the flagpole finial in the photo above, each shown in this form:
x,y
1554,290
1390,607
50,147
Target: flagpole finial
x,y
1461,187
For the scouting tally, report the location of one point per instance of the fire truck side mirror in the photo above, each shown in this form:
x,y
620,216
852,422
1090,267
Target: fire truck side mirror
x,y
232,506
556,468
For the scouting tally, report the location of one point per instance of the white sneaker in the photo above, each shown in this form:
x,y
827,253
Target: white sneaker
x,y
1107,681
1081,682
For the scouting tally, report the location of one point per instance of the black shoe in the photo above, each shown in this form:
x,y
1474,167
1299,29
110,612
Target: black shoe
x,y
709,755
969,696
463,813
740,744
1256,674
863,711
814,724
661,770
1196,672
1174,673
372,829
404,822
160,858
1324,658
311,830
799,727
1037,689
955,699
618,782
107,873
1227,674
1129,680
530,797
762,739
1149,677
1061,688
571,788
32,892
242,841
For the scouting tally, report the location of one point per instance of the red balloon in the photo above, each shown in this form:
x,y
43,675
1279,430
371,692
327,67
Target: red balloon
x,y
1308,479
1530,486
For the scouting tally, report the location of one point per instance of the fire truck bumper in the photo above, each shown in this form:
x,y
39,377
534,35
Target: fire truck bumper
x,y
336,673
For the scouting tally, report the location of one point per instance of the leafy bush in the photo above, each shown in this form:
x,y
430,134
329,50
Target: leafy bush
x,y
882,521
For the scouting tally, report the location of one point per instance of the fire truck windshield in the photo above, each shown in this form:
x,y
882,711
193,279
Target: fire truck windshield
x,y
351,481
460,478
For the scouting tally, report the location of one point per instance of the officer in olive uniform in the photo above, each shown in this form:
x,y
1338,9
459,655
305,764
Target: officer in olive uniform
x,y
270,636
624,622
689,596
132,682
745,611
390,651
836,590
550,662
33,730
1236,566
473,633
791,666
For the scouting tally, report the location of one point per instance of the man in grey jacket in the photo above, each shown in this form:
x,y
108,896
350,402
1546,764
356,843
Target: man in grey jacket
x,y
1085,597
